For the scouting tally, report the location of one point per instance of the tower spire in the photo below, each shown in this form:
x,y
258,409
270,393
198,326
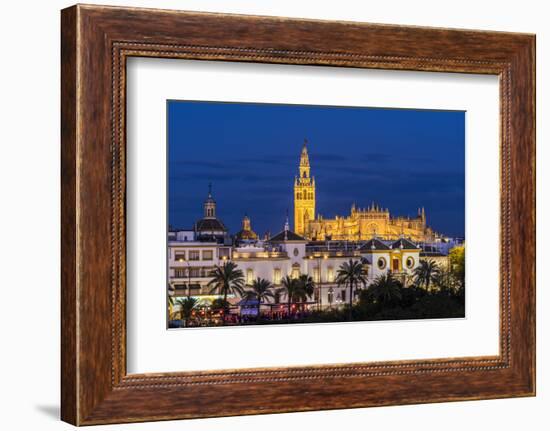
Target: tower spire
x,y
304,160
209,204
287,224
304,194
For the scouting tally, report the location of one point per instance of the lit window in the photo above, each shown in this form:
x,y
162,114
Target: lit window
x,y
330,274
180,256
223,253
207,255
194,255
249,276
316,275
277,276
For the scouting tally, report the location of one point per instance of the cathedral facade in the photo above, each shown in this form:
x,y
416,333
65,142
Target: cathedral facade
x,y
360,225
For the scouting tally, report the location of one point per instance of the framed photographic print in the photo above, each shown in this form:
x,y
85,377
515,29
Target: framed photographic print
x,y
331,214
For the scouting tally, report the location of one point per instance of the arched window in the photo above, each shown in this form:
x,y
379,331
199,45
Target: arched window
x,y
249,276
316,275
277,276
330,274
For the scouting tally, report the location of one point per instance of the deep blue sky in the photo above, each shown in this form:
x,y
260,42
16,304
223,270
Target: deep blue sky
x,y
401,159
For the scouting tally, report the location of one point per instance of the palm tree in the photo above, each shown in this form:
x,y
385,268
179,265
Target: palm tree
x,y
226,279
290,288
170,295
385,289
306,287
351,274
187,305
260,291
426,273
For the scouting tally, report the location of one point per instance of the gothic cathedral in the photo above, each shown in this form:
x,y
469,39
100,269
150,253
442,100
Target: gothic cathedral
x,y
362,223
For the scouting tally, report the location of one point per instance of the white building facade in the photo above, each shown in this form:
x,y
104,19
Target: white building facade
x,y
288,254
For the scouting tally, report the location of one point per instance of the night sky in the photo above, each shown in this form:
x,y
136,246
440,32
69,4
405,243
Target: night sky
x,y
401,159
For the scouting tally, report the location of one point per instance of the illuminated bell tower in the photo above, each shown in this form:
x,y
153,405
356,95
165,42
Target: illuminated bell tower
x,y
304,195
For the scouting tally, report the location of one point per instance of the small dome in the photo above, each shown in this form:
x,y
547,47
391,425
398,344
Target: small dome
x,y
210,225
246,233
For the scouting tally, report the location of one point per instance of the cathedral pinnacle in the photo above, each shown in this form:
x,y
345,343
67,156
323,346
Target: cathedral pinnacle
x,y
287,224
304,157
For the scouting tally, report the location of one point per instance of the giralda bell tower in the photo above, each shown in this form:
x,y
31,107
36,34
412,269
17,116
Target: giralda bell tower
x,y
304,195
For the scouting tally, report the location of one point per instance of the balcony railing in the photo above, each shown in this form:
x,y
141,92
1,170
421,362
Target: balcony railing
x,y
260,255
186,276
328,254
